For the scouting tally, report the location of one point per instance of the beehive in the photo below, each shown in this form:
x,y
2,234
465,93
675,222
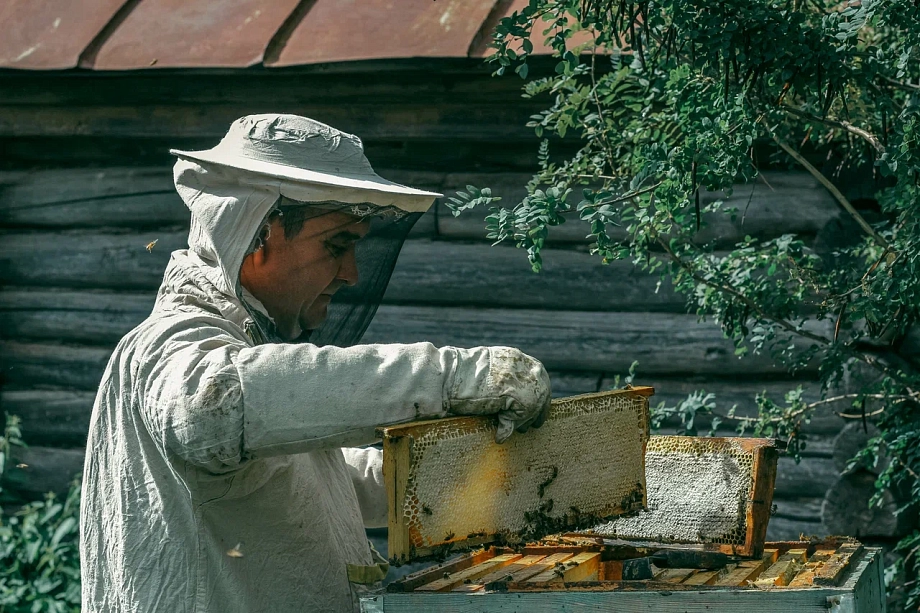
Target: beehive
x,y
450,485
704,490
836,574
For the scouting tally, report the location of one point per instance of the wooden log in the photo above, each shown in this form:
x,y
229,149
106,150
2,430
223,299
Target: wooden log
x,y
451,273
35,471
47,364
473,120
810,476
661,343
58,418
801,509
87,259
791,203
846,509
850,441
124,197
92,317
782,529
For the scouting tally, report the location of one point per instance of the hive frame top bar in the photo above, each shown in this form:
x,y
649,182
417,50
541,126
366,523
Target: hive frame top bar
x,y
449,486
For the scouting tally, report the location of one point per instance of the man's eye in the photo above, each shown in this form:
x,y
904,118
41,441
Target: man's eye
x,y
336,250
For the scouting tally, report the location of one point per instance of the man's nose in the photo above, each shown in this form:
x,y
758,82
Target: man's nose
x,y
348,271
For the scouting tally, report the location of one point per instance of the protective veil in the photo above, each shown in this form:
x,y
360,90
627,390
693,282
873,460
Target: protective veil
x,y
215,478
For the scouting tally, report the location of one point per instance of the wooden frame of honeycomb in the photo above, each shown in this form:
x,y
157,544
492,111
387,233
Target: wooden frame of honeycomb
x,y
449,485
714,491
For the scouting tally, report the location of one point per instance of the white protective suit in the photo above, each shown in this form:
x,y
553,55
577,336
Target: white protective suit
x,y
215,479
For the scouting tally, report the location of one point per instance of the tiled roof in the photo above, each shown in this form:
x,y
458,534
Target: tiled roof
x,y
149,34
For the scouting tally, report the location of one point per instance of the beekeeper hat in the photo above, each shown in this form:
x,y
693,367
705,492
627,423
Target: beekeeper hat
x,y
299,150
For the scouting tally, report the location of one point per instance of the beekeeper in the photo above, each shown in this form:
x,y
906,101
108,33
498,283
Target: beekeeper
x,y
221,473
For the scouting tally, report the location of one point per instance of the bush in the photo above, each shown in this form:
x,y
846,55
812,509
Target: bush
x,y
39,548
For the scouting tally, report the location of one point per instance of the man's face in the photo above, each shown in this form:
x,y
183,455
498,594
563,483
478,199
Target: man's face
x,y
295,277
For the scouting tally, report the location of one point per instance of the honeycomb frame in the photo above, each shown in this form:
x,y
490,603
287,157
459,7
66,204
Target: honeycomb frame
x,y
685,476
450,486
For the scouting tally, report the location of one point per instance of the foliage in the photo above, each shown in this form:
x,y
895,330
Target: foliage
x,y
666,98
39,548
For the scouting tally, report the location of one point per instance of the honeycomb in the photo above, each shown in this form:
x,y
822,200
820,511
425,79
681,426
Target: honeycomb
x,y
586,461
698,490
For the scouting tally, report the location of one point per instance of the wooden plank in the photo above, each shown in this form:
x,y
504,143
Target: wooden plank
x,y
833,570
507,488
432,573
124,197
664,600
581,567
446,584
500,574
770,556
743,573
783,570
808,477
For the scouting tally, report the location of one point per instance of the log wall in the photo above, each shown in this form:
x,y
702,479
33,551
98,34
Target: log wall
x,y
88,185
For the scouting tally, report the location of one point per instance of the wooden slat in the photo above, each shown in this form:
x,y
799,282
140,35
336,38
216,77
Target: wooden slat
x,y
706,577
49,364
782,571
500,574
760,505
833,570
546,564
470,574
432,573
581,567
744,572
396,474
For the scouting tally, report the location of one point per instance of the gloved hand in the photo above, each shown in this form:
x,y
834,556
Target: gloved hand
x,y
502,381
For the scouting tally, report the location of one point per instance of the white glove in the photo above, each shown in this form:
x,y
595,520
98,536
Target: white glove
x,y
502,381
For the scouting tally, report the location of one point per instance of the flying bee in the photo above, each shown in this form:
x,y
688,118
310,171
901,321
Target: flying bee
x,y
235,551
151,245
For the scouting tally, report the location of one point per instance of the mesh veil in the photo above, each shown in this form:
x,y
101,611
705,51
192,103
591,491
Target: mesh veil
x,y
352,308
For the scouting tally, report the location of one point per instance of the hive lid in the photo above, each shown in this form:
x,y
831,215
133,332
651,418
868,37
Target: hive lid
x,y
450,486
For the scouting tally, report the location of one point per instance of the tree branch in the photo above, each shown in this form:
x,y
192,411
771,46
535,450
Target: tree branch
x,y
834,192
755,308
843,125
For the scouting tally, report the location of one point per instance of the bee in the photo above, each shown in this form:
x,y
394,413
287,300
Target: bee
x,y
22,466
426,510
235,551
151,245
